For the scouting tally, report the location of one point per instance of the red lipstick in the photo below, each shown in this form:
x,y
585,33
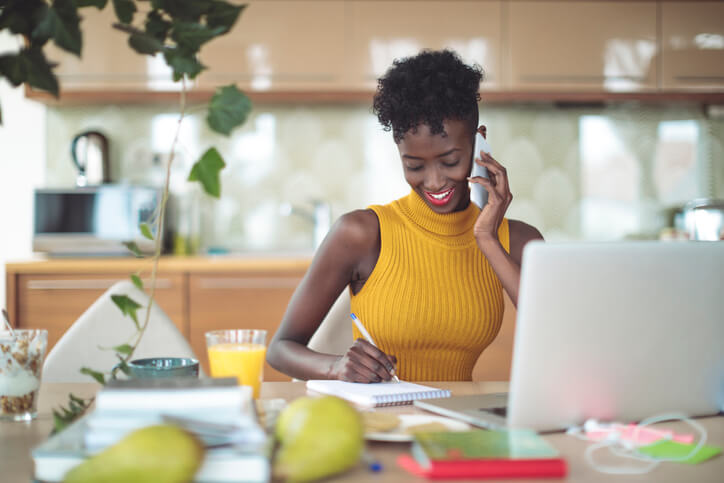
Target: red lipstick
x,y
440,198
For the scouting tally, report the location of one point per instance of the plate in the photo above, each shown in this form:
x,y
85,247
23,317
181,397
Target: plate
x,y
398,434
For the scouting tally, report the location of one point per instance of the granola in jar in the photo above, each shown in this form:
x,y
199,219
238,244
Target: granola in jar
x,y
21,362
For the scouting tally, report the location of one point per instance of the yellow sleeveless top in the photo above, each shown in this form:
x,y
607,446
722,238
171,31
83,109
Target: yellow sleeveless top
x,y
432,300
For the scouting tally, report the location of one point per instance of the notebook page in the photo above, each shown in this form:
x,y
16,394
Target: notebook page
x,y
376,394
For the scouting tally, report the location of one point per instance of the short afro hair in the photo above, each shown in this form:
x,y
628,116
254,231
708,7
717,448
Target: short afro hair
x,y
428,88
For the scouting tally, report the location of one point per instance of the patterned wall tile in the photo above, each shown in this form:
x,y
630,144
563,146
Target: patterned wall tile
x,y
575,173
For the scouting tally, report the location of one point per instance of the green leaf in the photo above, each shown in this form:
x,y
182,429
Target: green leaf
x,y
63,416
190,36
184,10
99,4
229,108
144,44
98,376
39,71
124,10
21,17
13,68
31,66
146,231
123,349
62,24
133,247
79,400
1,115
206,171
156,26
137,281
123,365
128,306
182,63
222,14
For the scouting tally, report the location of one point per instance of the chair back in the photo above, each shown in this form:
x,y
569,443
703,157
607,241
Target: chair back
x,y
103,325
334,334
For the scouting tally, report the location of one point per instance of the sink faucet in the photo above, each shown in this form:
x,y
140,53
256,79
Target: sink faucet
x,y
320,216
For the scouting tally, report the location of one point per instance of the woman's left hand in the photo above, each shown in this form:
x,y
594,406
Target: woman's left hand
x,y
499,198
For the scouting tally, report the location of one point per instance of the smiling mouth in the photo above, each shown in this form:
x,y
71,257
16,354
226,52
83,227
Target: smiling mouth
x,y
440,198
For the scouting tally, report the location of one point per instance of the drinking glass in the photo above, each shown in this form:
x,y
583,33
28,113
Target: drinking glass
x,y
21,362
238,353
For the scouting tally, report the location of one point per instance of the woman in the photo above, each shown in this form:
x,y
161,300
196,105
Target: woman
x,y
425,272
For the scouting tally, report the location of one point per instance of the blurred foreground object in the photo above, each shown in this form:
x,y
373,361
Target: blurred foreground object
x,y
159,454
319,437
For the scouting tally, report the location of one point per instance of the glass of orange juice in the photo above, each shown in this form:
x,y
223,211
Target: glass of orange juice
x,y
238,353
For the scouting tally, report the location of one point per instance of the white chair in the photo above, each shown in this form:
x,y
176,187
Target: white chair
x,y
104,325
334,334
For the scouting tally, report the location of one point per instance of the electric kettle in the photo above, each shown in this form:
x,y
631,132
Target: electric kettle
x,y
89,151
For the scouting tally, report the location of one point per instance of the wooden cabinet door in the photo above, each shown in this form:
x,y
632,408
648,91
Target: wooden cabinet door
x,y
274,45
107,61
248,300
279,45
380,31
592,45
692,45
54,302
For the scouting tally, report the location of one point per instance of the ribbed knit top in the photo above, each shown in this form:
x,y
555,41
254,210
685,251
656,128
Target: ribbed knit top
x,y
432,300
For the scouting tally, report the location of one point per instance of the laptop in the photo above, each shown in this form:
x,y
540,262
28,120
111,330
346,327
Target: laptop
x,y
615,331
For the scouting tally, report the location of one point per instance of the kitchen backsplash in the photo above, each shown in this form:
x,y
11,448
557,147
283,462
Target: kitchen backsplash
x,y
575,172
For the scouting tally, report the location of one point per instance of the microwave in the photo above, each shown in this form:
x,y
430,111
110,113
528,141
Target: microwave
x,y
94,220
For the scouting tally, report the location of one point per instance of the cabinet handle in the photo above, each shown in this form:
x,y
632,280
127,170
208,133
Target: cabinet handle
x,y
88,284
700,78
249,282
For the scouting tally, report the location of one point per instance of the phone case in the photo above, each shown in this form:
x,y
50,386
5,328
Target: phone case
x,y
478,194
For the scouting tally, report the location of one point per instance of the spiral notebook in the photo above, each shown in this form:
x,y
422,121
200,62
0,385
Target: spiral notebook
x,y
376,394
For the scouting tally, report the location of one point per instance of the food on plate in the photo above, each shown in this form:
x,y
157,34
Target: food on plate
x,y
426,427
377,422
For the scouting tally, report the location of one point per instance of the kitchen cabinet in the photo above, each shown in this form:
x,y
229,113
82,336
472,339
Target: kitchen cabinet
x,y
242,300
692,45
567,46
279,45
54,301
198,293
107,62
381,31
335,50
275,45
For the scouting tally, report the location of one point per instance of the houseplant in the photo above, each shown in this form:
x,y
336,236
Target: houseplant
x,y
176,30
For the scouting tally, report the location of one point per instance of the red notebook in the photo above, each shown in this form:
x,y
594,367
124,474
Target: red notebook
x,y
483,454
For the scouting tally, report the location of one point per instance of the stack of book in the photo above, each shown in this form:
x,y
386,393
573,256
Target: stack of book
x,y
218,411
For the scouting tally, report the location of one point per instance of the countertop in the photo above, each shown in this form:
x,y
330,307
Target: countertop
x,y
168,264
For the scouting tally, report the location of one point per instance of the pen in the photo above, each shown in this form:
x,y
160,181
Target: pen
x,y
367,336
372,463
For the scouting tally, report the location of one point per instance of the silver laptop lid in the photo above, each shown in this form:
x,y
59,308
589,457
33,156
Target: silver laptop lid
x,y
617,331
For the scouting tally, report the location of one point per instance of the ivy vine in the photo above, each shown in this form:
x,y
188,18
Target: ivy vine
x,y
173,29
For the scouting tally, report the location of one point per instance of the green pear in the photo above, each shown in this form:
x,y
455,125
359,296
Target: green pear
x,y
158,454
288,424
319,437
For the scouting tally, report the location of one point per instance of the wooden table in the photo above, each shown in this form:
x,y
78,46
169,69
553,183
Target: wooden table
x,y
17,439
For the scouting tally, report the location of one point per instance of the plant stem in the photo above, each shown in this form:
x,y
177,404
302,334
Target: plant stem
x,y
160,221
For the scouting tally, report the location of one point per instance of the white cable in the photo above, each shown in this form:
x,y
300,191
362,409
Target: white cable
x,y
623,449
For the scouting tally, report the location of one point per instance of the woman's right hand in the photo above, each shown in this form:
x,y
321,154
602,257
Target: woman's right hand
x,y
363,362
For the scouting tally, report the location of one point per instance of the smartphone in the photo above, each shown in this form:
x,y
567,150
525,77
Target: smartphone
x,y
478,194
